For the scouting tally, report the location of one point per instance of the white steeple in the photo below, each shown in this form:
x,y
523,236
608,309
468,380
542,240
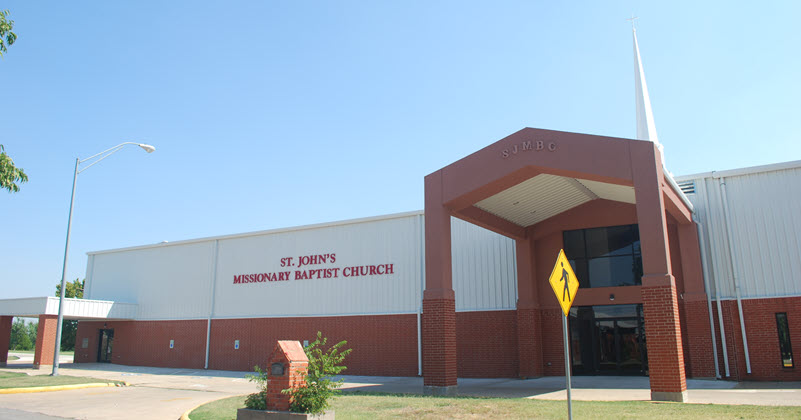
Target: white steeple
x,y
646,129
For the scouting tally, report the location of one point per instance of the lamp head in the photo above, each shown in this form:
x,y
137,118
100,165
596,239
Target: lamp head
x,y
148,148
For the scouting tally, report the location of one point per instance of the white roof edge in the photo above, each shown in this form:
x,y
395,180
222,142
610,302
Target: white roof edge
x,y
265,232
678,191
79,300
742,171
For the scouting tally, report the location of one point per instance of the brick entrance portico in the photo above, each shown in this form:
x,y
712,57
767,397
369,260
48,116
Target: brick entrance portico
x,y
622,182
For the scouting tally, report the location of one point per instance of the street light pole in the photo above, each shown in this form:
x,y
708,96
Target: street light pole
x,y
100,156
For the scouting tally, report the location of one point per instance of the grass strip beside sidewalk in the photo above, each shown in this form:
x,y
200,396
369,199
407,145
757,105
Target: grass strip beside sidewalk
x,y
10,380
372,406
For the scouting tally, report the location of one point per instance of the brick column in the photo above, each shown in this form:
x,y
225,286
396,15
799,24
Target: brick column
x,y
5,338
660,300
439,301
696,310
529,330
45,341
292,367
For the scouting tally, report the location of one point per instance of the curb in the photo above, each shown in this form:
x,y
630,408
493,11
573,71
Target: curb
x,y
185,415
58,388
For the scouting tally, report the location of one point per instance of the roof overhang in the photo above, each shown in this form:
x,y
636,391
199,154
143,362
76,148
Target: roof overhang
x,y
534,175
85,309
544,196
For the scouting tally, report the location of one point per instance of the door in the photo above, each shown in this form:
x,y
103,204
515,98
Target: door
x,y
608,340
106,342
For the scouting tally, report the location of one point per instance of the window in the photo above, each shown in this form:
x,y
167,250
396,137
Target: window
x,y
784,340
605,257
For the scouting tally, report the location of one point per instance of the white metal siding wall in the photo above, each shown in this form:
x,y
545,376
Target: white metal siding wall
x,y
484,268
765,208
167,282
393,241
174,281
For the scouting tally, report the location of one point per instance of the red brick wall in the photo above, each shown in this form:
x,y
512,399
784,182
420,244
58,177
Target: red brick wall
x,y
5,338
147,343
697,339
439,342
382,344
486,344
529,342
763,338
663,339
45,340
553,350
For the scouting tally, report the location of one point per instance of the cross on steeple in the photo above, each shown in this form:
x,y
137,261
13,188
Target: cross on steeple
x,y
632,19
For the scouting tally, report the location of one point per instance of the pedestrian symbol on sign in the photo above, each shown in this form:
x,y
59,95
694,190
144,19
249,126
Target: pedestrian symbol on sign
x,y
565,278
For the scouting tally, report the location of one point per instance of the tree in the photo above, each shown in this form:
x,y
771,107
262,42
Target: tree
x,y
33,329
69,327
23,336
313,398
10,175
7,36
74,289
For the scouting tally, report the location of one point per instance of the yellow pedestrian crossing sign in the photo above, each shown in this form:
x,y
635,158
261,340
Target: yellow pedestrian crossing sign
x,y
564,282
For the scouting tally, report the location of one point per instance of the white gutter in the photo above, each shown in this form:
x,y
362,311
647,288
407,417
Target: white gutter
x,y
212,293
702,244
716,272
734,266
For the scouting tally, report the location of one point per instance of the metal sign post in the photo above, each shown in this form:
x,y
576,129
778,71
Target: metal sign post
x,y
567,369
565,285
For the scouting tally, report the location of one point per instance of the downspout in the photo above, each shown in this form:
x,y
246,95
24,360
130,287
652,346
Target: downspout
x,y
211,309
734,267
716,271
702,244
422,290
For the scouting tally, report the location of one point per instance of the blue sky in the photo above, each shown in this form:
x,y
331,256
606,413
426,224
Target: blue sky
x,y
275,114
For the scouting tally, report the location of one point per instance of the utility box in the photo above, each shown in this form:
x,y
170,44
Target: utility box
x,y
287,367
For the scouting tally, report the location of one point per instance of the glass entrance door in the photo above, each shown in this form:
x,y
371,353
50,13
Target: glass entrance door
x,y
106,342
608,340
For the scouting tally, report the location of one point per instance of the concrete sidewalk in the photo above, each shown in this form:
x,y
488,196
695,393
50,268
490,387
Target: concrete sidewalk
x,y
585,388
595,388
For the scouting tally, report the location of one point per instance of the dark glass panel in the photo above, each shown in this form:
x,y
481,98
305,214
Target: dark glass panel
x,y
612,271
635,230
609,241
636,263
581,272
616,311
784,340
574,244
628,336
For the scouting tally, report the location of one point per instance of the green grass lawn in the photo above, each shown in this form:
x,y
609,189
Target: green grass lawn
x,y
390,406
21,380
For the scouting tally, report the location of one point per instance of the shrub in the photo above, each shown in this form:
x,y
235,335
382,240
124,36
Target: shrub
x,y
323,364
258,400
